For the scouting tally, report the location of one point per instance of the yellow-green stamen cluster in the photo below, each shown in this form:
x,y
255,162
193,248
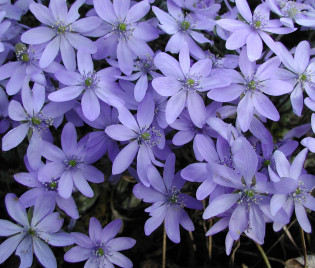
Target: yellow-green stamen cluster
x,y
40,122
61,28
22,53
150,136
123,29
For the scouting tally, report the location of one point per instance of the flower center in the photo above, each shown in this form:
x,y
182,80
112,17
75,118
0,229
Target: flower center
x,y
290,8
145,64
252,83
22,53
51,186
31,232
61,28
305,77
173,198
300,194
192,83
123,29
40,122
145,136
150,136
185,25
258,21
90,80
36,120
248,197
73,162
100,252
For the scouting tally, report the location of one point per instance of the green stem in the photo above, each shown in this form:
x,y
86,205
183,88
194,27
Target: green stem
x,y
263,254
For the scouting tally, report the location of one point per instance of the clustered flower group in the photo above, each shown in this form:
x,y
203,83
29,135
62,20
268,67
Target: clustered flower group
x,y
144,101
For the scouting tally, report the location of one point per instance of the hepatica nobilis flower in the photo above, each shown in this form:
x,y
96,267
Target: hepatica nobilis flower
x,y
300,72
93,85
71,164
182,83
26,65
144,68
127,37
183,29
253,30
31,236
251,86
39,189
249,199
290,11
300,198
63,31
168,201
142,135
35,121
101,248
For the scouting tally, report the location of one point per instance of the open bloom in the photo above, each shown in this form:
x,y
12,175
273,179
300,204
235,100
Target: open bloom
x,y
251,32
25,65
35,121
168,201
300,72
93,85
39,189
71,164
63,31
143,136
32,236
183,83
101,248
183,29
127,37
300,198
292,11
248,201
251,86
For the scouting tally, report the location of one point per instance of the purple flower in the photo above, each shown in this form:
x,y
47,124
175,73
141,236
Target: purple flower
x,y
63,32
183,29
301,73
26,65
168,201
142,135
93,85
253,30
40,189
35,120
32,236
291,11
301,197
182,83
71,164
101,248
248,200
144,67
126,37
251,86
